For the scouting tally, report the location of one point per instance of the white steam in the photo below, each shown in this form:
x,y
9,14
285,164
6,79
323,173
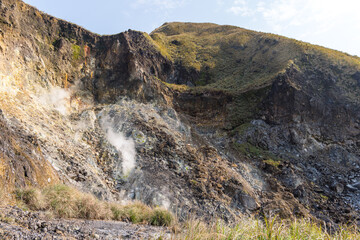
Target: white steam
x,y
124,146
58,98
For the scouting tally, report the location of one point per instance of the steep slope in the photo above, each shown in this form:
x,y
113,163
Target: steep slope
x,y
50,73
264,125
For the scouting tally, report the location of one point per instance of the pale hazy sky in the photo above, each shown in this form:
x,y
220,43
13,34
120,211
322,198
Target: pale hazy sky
x,y
330,23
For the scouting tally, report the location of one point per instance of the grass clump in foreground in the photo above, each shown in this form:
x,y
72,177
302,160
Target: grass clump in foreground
x,y
67,202
263,230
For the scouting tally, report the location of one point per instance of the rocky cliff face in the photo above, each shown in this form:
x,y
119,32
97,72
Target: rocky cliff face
x,y
107,114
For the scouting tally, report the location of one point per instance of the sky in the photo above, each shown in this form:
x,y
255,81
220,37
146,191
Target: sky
x,y
330,23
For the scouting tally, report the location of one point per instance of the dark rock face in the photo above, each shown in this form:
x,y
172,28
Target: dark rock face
x,y
84,108
317,132
183,76
203,107
127,64
293,99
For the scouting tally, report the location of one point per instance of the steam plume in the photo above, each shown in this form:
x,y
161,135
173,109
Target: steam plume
x,y
124,146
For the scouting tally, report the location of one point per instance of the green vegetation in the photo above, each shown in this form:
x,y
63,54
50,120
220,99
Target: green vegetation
x,y
324,197
159,45
140,213
250,150
78,52
161,217
66,202
177,87
228,57
238,60
271,162
241,129
31,198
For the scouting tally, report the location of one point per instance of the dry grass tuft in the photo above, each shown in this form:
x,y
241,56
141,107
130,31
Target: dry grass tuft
x,y
262,230
90,207
67,202
31,197
161,217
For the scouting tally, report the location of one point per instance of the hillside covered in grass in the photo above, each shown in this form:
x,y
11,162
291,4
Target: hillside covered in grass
x,y
236,59
243,65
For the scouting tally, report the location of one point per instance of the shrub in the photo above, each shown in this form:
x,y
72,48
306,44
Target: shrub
x,y
117,212
32,197
88,207
68,202
161,217
61,200
137,212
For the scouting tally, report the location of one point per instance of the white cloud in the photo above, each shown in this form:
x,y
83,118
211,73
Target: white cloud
x,y
240,2
282,14
243,11
220,2
240,7
311,20
158,4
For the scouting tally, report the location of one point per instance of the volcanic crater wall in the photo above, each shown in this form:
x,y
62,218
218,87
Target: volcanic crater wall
x,y
286,146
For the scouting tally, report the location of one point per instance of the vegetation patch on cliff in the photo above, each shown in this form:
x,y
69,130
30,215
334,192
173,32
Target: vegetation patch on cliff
x,y
78,52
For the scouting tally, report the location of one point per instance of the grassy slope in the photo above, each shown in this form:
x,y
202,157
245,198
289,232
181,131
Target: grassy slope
x,y
244,64
236,60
